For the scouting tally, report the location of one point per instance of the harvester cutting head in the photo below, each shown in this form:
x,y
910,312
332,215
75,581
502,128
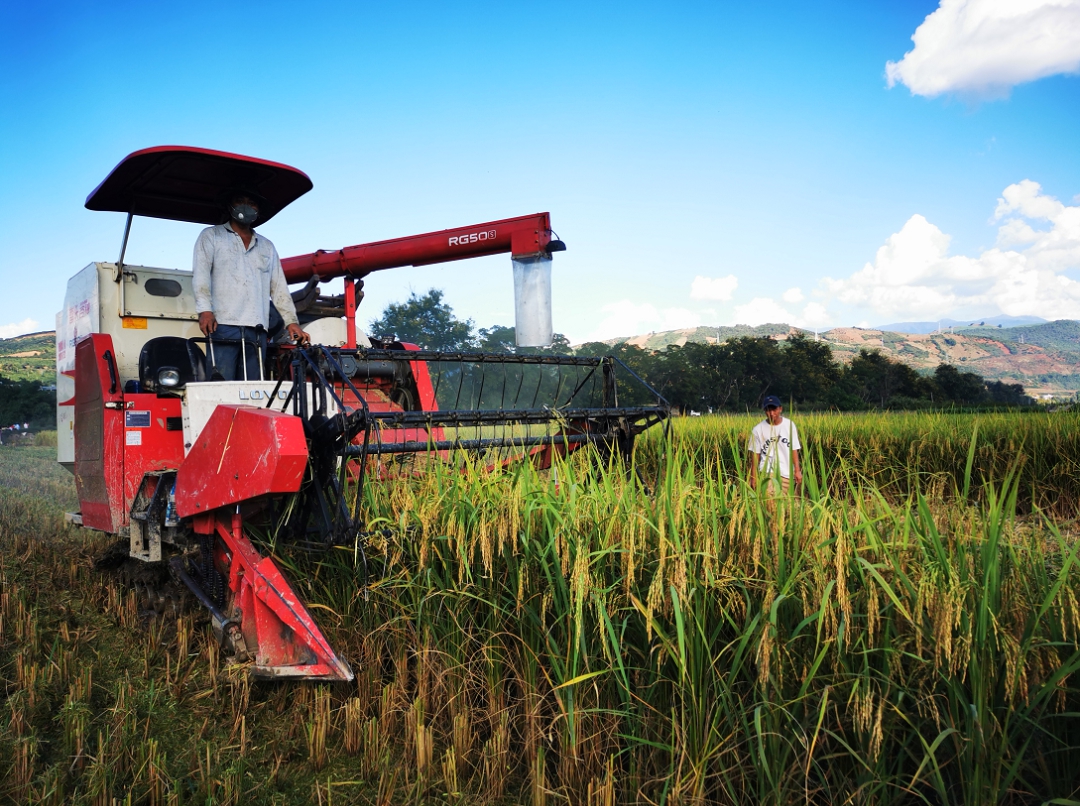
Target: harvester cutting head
x,y
180,464
374,414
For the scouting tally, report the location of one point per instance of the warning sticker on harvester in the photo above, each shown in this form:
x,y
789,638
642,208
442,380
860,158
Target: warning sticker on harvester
x,y
134,437
136,419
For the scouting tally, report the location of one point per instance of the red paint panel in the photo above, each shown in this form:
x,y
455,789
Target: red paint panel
x,y
423,381
242,453
151,446
521,236
275,623
350,314
376,398
99,435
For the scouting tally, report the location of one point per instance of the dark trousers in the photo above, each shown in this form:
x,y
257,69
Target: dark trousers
x,y
227,359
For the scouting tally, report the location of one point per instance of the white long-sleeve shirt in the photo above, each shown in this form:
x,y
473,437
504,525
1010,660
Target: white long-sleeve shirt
x,y
237,284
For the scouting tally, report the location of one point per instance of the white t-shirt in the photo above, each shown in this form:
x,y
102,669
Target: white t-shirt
x,y
773,445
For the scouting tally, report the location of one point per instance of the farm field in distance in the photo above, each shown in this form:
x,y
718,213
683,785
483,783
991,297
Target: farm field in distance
x,y
29,358
907,630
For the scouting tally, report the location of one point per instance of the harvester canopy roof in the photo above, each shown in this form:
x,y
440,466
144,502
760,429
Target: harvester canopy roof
x,y
182,183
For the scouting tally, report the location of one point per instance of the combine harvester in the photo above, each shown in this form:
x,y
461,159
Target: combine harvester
x,y
179,465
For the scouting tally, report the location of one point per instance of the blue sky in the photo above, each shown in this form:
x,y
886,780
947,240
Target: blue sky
x,y
705,163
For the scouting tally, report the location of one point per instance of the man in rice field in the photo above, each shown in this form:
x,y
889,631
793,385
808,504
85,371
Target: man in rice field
x,y
235,274
774,449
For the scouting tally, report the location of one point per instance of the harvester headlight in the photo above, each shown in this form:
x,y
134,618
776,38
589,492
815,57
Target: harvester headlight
x,y
168,377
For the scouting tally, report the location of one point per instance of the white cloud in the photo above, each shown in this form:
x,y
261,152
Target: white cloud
x,y
626,318
1027,199
985,47
1016,232
913,276
814,315
765,310
18,328
792,295
716,288
761,311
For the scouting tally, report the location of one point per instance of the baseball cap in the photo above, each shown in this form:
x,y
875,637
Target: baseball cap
x,y
770,401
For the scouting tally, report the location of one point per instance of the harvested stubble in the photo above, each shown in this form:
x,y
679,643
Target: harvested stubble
x,y
598,642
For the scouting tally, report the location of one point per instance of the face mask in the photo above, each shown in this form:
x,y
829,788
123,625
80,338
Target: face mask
x,y
244,214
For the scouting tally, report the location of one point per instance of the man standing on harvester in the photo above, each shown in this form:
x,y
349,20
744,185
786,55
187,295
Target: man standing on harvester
x,y
236,274
774,448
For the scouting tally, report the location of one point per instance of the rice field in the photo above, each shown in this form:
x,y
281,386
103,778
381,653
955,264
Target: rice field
x,y
904,630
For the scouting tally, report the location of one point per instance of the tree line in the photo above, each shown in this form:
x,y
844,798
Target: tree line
x,y
735,375
26,402
731,376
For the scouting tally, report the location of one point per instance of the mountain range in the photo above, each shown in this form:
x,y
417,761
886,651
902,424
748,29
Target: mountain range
x,y
947,324
1042,356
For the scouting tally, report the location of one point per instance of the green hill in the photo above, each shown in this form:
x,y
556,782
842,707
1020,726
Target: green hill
x,y
29,358
1062,335
665,338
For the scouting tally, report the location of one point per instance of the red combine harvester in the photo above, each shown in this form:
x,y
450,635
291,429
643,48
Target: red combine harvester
x,y
180,466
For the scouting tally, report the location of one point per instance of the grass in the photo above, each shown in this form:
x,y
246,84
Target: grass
x,y
908,631
900,453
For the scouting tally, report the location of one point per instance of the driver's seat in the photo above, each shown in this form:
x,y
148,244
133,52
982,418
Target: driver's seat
x,y
169,363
